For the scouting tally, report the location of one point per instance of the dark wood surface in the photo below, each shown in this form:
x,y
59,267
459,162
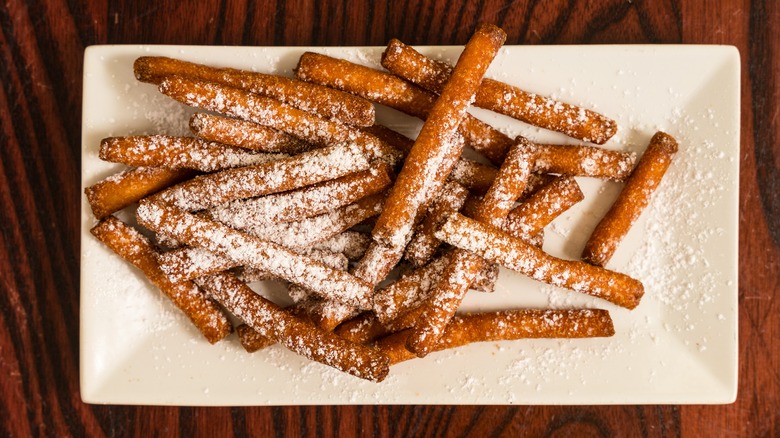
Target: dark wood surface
x,y
41,54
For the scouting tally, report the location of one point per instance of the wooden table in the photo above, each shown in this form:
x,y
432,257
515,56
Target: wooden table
x,y
41,45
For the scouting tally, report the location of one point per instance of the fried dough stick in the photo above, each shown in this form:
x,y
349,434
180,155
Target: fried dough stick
x,y
421,172
132,246
298,171
390,90
275,114
305,202
178,152
505,99
580,160
542,207
319,100
507,325
513,253
247,135
129,186
457,277
632,200
293,332
252,251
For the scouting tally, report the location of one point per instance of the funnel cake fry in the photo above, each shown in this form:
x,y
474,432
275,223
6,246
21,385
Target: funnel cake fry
x,y
248,135
505,99
542,207
129,186
632,200
505,326
434,144
132,246
513,253
581,160
178,153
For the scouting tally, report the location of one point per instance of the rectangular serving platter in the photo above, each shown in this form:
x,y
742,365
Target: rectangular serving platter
x,y
678,346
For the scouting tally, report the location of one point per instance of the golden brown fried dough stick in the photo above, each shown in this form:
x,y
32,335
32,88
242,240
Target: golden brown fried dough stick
x,y
245,134
178,153
424,244
507,325
275,114
322,101
513,253
632,200
132,246
390,90
295,333
459,274
252,251
276,176
305,202
581,160
412,190
505,99
542,207
129,186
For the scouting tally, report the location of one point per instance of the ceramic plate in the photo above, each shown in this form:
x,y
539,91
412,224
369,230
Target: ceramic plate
x,y
678,346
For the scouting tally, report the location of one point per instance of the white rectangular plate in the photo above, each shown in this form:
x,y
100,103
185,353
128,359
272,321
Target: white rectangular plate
x,y
678,346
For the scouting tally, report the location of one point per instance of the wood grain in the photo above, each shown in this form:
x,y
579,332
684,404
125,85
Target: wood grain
x,y
41,54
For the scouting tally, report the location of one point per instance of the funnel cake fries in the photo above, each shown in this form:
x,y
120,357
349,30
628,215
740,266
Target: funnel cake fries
x,y
632,200
322,101
507,325
189,263
300,170
295,333
583,161
497,96
260,254
304,202
129,186
390,90
178,152
132,246
412,190
245,134
513,253
542,207
275,114
459,274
